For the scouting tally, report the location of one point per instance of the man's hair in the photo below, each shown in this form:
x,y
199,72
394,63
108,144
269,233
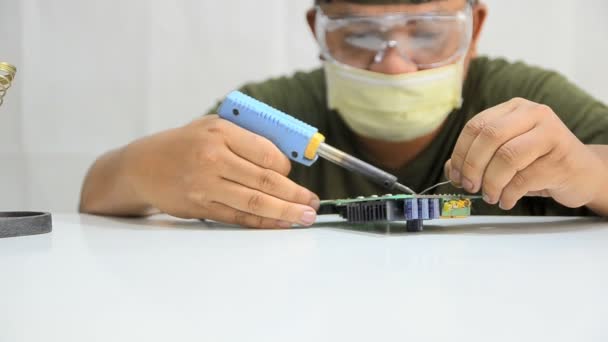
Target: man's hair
x,y
318,2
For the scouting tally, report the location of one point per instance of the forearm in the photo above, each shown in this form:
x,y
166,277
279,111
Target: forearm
x,y
600,204
108,191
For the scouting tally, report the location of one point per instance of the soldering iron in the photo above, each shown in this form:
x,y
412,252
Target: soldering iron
x,y
298,140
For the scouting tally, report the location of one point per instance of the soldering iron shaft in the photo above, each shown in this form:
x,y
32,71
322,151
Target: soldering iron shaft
x,y
353,164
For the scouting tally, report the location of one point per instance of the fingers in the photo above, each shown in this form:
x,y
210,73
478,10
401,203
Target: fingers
x,y
529,181
261,204
494,141
254,148
253,201
223,213
268,181
516,149
476,126
244,177
511,158
541,193
452,174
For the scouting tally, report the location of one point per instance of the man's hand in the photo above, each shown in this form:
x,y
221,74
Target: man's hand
x,y
216,170
521,148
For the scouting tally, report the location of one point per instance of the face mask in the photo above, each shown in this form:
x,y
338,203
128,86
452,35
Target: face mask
x,y
394,107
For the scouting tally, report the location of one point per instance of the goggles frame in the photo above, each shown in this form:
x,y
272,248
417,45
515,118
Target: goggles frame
x,y
325,23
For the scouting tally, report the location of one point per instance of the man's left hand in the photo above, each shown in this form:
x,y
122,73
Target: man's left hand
x,y
521,148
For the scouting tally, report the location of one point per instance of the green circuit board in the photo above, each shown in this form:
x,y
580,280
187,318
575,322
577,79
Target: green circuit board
x,y
413,209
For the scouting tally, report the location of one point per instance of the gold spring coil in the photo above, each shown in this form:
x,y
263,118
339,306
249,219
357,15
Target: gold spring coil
x,y
7,74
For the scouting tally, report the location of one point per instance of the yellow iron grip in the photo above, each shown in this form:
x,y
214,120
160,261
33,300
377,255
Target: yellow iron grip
x,y
313,146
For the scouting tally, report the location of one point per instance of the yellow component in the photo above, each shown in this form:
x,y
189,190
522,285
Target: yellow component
x,y
453,208
313,146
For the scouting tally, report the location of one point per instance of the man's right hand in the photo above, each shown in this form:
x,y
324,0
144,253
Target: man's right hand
x,y
213,169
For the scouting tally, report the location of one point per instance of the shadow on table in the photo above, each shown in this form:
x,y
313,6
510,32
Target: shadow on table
x,y
161,222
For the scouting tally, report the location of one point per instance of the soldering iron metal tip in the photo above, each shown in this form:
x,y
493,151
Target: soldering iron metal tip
x,y
403,188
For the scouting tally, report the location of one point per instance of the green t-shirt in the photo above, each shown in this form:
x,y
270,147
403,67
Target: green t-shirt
x,y
489,82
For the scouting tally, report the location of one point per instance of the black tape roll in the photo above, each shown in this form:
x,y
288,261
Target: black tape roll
x,y
13,224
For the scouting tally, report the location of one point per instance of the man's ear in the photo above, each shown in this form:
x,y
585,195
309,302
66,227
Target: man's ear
x,y
311,18
480,12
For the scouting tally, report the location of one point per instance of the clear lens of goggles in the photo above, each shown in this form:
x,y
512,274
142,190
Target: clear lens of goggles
x,y
429,40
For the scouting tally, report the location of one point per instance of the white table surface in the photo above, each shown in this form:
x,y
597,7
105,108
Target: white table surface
x,y
163,279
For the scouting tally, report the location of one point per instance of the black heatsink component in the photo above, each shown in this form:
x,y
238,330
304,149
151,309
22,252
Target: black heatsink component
x,y
376,211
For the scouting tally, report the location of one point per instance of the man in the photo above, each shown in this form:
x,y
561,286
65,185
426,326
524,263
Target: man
x,y
393,92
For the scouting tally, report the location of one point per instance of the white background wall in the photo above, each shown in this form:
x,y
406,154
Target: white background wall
x,y
94,75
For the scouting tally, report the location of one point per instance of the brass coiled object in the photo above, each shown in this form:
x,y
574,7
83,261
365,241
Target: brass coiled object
x,y
7,74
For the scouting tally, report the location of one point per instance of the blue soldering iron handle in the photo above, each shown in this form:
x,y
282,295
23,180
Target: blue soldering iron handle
x,y
289,134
